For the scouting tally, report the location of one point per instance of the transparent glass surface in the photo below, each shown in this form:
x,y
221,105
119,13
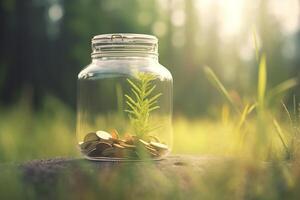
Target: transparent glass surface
x,y
124,108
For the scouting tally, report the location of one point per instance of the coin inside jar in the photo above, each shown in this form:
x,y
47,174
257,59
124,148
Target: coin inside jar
x,y
103,135
91,137
88,146
118,146
159,145
115,134
104,144
144,142
109,152
99,148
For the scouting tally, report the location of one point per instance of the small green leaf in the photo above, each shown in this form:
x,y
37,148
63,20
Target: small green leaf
x,y
131,106
134,86
154,108
150,91
154,98
152,103
132,101
136,94
129,111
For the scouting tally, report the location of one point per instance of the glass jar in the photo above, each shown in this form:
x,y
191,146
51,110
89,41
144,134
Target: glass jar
x,y
124,100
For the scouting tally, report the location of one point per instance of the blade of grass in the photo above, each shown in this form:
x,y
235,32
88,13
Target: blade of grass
x,y
262,81
298,112
287,112
280,135
243,116
282,87
225,114
246,111
252,108
254,36
217,83
293,126
294,109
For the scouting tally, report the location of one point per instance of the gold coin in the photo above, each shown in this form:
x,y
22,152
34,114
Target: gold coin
x,y
86,147
153,151
152,137
127,153
159,146
117,141
109,152
103,135
149,148
131,146
99,148
144,142
154,154
90,137
130,139
115,134
93,153
103,145
118,146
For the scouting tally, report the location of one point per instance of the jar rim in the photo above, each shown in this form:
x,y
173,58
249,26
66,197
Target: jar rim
x,y
124,38
124,44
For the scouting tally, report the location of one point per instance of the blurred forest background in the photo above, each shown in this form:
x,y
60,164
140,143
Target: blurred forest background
x,y
45,43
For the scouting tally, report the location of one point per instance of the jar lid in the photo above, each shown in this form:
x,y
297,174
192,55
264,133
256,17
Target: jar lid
x,y
125,38
123,44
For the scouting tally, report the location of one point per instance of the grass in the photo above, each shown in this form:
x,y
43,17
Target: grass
x,y
50,132
264,145
27,135
261,137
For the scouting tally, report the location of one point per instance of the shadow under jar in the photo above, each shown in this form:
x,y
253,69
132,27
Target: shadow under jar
x,y
124,100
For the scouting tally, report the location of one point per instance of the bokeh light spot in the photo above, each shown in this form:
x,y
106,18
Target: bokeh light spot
x,y
55,12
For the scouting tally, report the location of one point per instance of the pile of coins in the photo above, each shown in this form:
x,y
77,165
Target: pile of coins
x,y
103,144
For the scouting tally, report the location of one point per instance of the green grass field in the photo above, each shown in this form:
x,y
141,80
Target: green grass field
x,y
50,132
260,137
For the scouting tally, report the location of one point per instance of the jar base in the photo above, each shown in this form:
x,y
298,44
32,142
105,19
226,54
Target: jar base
x,y
106,159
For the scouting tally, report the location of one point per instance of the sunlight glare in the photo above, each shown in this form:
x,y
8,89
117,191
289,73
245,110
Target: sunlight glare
x,y
229,14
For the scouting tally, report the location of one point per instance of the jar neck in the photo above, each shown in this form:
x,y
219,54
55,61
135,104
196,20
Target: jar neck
x,y
124,46
124,52
125,57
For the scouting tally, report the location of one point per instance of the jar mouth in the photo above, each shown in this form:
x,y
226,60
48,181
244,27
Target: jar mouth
x,y
124,44
124,38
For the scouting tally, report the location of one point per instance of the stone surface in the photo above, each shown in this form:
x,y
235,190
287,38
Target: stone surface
x,y
47,170
176,177
78,178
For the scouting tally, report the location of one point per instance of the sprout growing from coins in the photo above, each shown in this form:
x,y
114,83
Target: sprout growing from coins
x,y
140,145
142,104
